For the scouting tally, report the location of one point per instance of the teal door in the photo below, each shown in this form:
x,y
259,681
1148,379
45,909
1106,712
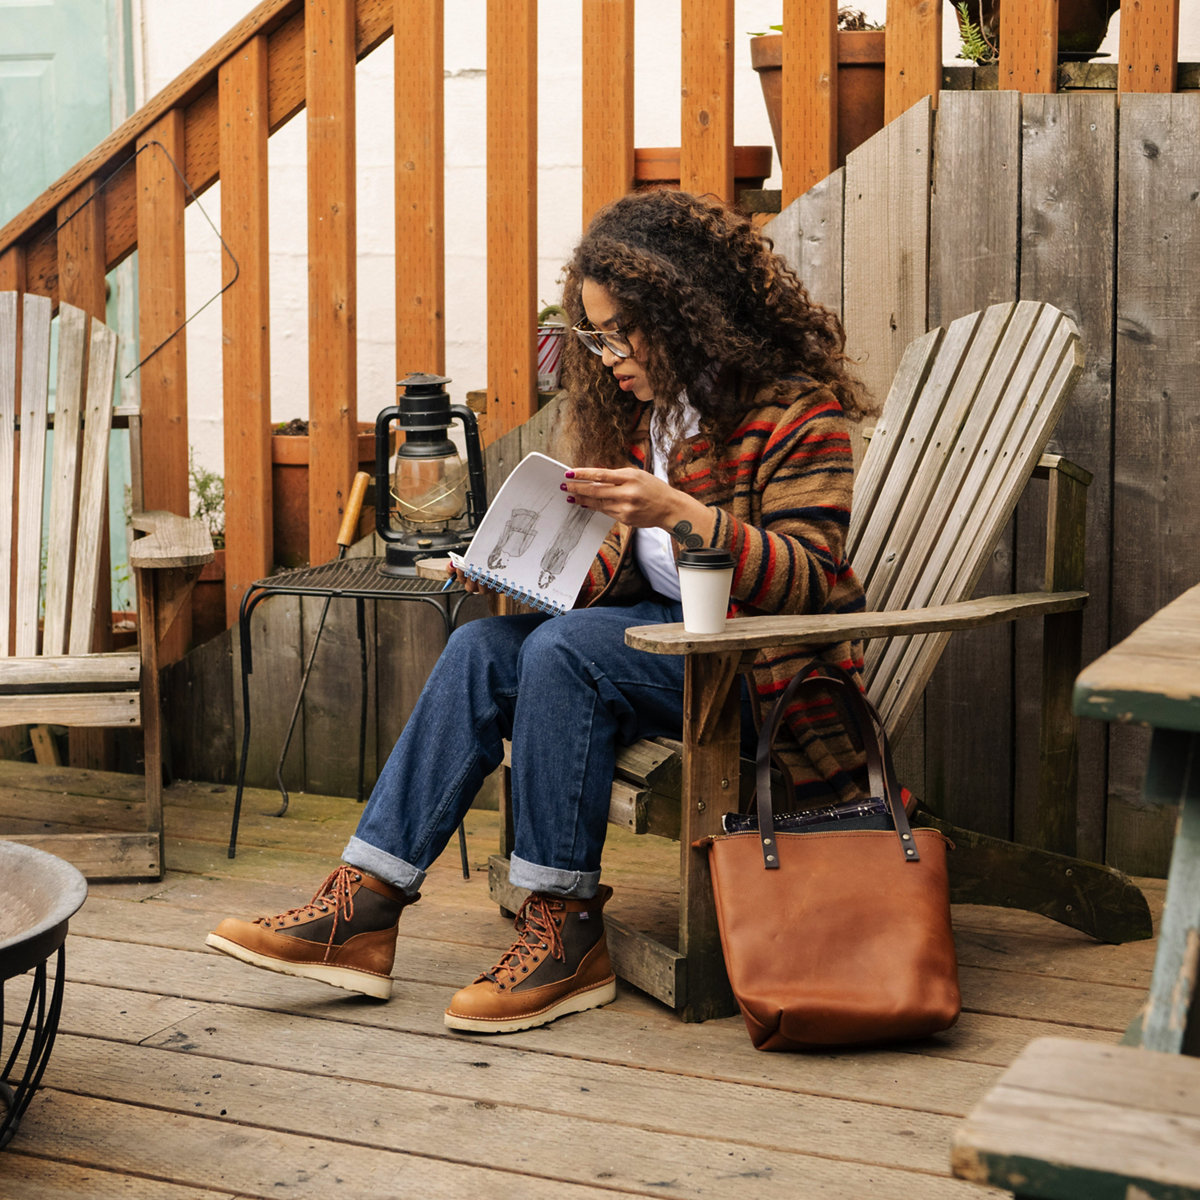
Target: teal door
x,y
65,84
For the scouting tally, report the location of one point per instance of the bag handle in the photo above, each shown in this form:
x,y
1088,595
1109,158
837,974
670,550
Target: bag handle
x,y
881,773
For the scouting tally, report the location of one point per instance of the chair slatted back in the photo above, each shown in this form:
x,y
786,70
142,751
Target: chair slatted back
x,y
968,416
70,544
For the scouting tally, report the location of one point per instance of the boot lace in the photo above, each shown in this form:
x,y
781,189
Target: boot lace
x,y
335,895
537,932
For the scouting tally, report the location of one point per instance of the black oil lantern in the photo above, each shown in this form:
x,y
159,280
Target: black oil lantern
x,y
433,503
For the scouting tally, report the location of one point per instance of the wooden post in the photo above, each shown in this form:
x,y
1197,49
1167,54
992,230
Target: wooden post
x,y
512,214
245,320
420,188
809,110
913,65
12,269
162,310
1149,46
81,271
1029,45
607,102
162,341
706,108
332,323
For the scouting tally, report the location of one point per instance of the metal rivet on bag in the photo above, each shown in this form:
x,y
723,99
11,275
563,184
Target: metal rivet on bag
x,y
766,841
907,837
770,858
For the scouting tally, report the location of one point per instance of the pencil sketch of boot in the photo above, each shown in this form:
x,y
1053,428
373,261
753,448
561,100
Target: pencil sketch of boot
x,y
564,542
519,531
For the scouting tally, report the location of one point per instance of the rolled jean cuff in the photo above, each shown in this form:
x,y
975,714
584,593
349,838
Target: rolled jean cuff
x,y
383,866
575,885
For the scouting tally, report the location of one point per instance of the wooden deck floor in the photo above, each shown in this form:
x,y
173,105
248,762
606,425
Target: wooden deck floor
x,y
180,1073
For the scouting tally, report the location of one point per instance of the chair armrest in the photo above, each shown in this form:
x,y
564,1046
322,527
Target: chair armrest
x,y
755,633
168,540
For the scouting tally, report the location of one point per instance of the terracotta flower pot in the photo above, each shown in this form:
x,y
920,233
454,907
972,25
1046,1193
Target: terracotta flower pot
x,y
1082,24
859,84
658,166
289,493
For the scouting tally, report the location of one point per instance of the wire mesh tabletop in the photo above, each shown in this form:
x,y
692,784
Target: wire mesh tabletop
x,y
353,578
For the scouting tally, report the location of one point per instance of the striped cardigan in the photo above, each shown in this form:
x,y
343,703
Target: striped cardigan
x,y
783,508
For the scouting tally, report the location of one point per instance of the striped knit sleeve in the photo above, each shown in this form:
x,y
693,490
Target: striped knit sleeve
x,y
792,557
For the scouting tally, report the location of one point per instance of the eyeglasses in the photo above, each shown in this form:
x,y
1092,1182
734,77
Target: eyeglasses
x,y
615,341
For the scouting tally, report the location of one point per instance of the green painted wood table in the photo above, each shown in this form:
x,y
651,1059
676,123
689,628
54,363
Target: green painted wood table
x,y
1153,677
1079,1120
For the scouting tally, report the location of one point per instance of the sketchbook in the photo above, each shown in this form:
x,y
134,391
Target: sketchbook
x,y
532,544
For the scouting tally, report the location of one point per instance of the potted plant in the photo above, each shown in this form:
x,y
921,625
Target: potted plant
x,y
859,79
208,596
551,330
659,166
1082,26
289,488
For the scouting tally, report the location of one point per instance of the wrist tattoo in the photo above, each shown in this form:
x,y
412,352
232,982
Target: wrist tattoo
x,y
683,533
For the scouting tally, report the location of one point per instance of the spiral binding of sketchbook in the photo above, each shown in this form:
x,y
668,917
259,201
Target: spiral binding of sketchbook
x,y
509,587
532,544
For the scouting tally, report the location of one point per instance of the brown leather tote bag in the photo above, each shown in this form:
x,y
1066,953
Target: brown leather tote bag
x,y
836,937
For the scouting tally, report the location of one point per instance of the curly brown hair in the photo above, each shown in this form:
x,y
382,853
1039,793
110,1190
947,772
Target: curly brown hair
x,y
704,288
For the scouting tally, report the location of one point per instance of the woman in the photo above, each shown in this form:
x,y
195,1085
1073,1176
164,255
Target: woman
x,y
709,402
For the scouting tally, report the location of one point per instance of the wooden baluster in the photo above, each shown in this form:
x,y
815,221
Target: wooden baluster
x,y
607,102
420,190
511,214
706,111
1149,46
809,110
332,320
162,341
913,66
245,319
1029,45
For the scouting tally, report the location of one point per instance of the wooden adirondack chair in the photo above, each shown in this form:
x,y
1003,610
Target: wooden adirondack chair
x,y
962,431
51,556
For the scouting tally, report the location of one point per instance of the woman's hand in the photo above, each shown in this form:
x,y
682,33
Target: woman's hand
x,y
636,498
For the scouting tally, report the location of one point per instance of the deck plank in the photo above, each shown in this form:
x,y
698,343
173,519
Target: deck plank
x,y
182,1074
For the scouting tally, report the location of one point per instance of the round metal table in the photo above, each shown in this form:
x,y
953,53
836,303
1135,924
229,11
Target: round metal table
x,y
39,894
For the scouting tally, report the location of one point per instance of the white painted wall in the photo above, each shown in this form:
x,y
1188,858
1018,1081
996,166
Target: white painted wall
x,y
173,33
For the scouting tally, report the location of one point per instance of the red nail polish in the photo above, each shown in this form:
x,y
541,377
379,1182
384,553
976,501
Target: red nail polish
x,y
570,499
562,487
570,474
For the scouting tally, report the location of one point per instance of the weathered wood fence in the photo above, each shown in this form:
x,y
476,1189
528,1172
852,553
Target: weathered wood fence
x,y
1090,205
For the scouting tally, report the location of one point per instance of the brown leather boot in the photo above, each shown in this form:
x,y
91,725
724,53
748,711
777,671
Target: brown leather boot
x,y
558,965
344,936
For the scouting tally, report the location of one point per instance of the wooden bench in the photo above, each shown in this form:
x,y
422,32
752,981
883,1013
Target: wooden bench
x,y
1085,1121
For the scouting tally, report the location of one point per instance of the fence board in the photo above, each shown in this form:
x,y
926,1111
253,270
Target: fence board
x,y
332,271
245,319
607,102
1029,46
706,108
1149,50
1156,503
973,263
808,234
511,215
1068,248
809,105
420,189
913,66
887,225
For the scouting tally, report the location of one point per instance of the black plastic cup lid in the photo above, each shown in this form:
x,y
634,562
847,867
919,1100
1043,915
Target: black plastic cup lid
x,y
706,560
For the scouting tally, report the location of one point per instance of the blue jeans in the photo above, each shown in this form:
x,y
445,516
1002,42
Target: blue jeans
x,y
566,690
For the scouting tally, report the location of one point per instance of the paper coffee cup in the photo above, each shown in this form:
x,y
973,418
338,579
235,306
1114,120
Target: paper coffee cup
x,y
705,577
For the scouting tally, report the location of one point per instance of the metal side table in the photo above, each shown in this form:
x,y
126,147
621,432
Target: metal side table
x,y
357,579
